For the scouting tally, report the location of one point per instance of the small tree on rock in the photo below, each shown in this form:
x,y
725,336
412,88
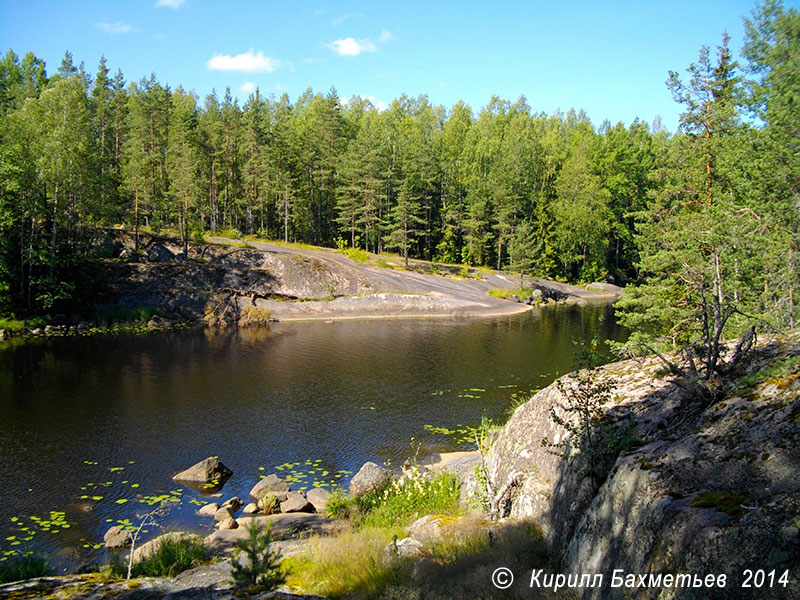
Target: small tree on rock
x,y
261,564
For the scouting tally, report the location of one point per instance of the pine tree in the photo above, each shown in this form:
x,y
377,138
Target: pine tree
x,y
692,241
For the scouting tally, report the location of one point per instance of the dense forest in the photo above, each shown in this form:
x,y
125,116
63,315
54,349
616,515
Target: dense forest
x,y
708,213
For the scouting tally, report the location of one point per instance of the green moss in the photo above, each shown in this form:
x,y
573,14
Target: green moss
x,y
781,372
725,502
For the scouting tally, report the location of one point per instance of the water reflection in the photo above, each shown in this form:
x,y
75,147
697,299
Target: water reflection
x,y
339,393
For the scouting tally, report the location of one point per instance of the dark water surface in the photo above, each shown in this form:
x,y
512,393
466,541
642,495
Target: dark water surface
x,y
92,427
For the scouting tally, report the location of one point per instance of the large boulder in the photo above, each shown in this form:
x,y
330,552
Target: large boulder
x,y
229,523
708,488
208,471
369,477
117,538
271,483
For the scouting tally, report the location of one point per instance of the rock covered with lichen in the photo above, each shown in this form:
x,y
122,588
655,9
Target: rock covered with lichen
x,y
711,489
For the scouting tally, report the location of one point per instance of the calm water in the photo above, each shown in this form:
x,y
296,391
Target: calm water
x,y
89,427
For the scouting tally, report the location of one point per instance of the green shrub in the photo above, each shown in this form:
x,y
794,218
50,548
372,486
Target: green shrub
x,y
25,566
230,233
14,325
340,505
261,567
172,556
357,255
410,497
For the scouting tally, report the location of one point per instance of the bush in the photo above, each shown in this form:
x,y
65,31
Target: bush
x,y
261,567
356,255
172,556
25,566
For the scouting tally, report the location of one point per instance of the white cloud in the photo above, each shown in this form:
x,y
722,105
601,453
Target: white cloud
x,y
115,27
386,36
352,47
248,87
173,4
248,62
342,18
379,104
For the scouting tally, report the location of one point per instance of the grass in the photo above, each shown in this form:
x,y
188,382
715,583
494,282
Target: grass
x,y
357,255
410,497
356,566
777,371
25,566
172,556
345,566
398,503
522,293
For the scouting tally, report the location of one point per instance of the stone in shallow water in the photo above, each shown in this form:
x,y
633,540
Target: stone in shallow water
x,y
271,483
234,503
209,470
117,537
208,510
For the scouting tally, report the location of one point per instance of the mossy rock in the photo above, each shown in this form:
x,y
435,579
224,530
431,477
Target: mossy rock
x,y
725,502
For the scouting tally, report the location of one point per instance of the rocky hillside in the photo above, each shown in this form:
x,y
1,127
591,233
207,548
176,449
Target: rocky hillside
x,y
231,280
709,490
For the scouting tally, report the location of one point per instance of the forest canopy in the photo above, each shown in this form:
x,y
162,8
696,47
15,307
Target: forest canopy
x,y
710,211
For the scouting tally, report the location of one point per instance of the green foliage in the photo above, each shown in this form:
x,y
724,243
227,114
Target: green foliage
x,y
339,505
25,566
777,370
172,556
506,293
261,566
409,497
398,502
591,439
356,565
356,255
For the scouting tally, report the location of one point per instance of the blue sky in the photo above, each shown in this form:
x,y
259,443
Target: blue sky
x,y
609,58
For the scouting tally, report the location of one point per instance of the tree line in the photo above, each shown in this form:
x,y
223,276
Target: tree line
x,y
504,187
